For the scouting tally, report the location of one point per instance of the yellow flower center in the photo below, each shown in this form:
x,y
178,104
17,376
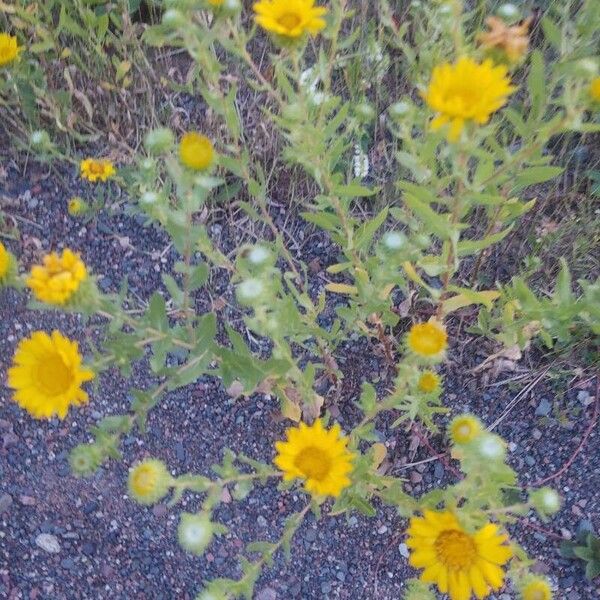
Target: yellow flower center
x,y
96,168
54,377
428,382
144,480
455,549
313,463
289,20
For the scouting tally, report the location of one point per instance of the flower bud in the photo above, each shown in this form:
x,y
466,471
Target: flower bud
x,y
545,500
149,198
259,255
398,110
173,18
394,240
40,139
85,459
509,12
195,532
159,140
365,112
491,447
250,290
76,206
464,429
587,67
149,481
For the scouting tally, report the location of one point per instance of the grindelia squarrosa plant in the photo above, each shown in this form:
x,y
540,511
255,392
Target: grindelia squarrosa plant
x,y
465,145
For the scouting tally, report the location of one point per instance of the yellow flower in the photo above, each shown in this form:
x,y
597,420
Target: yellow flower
x,y
76,206
317,455
196,151
149,481
428,339
466,91
513,40
215,2
94,169
428,382
47,375
595,89
9,49
458,562
464,429
536,589
290,18
5,262
58,278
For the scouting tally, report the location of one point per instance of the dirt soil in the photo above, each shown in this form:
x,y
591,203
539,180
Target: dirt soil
x,y
105,546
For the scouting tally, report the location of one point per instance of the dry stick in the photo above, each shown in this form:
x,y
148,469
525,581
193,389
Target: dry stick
x,y
543,530
586,435
518,398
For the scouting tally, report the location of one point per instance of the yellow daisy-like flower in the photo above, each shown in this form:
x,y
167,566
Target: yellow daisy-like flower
x,y
428,339
595,89
464,429
290,18
5,262
47,374
317,455
536,589
428,382
196,151
149,481
9,49
215,2
466,91
55,281
458,562
94,169
76,206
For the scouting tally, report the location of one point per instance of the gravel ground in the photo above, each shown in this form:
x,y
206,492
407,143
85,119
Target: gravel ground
x,y
65,538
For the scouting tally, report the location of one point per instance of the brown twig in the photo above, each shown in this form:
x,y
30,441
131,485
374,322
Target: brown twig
x,y
586,435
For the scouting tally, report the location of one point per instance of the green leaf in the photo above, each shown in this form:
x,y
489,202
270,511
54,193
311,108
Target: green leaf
x,y
532,175
157,313
563,294
364,235
435,222
354,190
536,83
466,247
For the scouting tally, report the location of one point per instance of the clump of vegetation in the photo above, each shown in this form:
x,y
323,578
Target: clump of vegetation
x,y
465,148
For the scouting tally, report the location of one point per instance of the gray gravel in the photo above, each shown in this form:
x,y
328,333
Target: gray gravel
x,y
65,538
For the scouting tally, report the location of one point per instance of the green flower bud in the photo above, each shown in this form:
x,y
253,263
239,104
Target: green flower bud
x,y
491,447
394,240
195,532
85,459
365,112
586,67
509,12
173,18
40,139
546,501
400,109
149,481
249,291
159,141
149,198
